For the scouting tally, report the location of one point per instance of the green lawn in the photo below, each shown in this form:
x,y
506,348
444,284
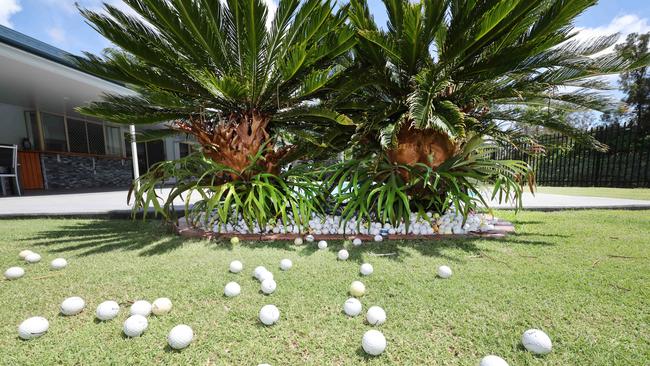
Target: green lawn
x,y
581,276
629,193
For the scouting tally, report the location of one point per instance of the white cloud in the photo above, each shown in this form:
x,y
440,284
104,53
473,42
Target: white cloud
x,y
7,9
623,24
57,34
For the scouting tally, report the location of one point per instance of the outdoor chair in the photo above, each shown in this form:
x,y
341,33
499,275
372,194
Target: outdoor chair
x,y
9,165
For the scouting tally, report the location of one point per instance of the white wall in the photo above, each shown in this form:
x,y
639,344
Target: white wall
x,y
12,124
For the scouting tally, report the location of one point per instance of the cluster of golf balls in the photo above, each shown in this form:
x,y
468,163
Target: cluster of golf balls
x,y
14,273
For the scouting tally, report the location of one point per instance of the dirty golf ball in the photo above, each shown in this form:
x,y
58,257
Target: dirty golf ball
x,y
140,307
356,242
352,307
286,264
343,254
24,253
180,336
72,305
13,273
357,289
269,314
161,306
322,244
232,289
236,266
234,240
265,276
297,241
373,342
58,263
107,310
376,315
444,272
33,258
493,360
366,269
536,341
258,271
268,286
309,238
135,325
379,237
33,327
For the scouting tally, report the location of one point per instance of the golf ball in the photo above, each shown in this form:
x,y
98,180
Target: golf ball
x,y
161,306
234,240
356,242
536,341
33,327
13,273
236,266
352,307
140,307
58,263
343,254
373,342
297,241
493,360
33,258
24,253
322,244
366,269
376,315
357,289
232,289
180,336
379,237
265,276
258,271
72,305
135,325
269,314
444,272
268,286
286,264
309,238
107,310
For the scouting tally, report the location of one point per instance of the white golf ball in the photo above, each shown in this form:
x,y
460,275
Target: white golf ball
x,y
135,325
268,286
536,341
107,310
161,306
33,258
357,289
33,327
356,242
258,271
444,272
373,342
379,237
13,273
286,264
366,269
352,307
309,238
236,266
180,336
140,307
24,253
72,305
265,276
376,315
322,244
297,241
232,289
269,314
493,360
343,254
58,263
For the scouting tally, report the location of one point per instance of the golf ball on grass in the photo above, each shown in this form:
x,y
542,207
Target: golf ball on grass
x,y
14,273
286,264
161,306
72,305
366,269
180,336
135,325
140,307
352,307
444,272
24,253
376,315
536,341
33,258
33,327
356,242
58,263
373,342
268,286
234,240
257,272
232,289
343,254
269,314
309,238
236,266
107,310
265,276
357,289
322,245
379,237
297,241
493,360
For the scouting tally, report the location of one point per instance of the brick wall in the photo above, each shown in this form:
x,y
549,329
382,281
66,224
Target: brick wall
x,y
73,172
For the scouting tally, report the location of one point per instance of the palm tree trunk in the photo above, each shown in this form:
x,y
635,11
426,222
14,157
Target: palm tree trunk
x,y
428,147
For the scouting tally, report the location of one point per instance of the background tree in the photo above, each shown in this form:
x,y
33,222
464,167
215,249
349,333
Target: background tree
x,y
636,83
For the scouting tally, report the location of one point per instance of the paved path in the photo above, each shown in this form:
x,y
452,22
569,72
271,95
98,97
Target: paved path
x,y
113,203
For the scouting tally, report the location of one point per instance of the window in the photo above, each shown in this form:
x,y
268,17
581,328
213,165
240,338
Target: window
x,y
95,139
184,149
54,132
32,130
77,136
113,141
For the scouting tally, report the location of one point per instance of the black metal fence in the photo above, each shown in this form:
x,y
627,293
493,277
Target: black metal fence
x,y
625,164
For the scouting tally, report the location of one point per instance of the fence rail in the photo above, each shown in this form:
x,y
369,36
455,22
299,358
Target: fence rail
x,y
625,164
